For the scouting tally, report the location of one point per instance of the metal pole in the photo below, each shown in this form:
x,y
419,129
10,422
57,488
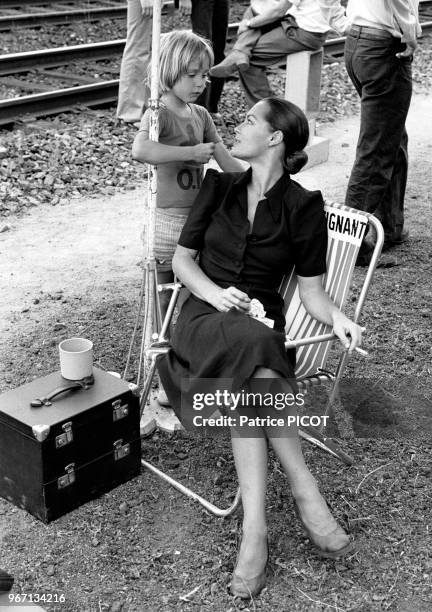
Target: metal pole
x,y
152,317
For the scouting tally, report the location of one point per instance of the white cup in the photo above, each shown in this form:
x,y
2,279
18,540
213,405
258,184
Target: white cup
x,y
76,358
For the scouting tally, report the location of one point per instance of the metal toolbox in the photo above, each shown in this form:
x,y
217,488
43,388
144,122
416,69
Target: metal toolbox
x,y
69,446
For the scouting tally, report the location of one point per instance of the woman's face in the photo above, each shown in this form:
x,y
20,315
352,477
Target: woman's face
x,y
189,86
253,135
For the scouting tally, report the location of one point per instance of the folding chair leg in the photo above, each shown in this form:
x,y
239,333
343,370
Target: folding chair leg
x,y
180,487
189,493
314,436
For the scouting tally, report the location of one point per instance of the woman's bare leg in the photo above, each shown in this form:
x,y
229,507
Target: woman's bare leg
x,y
250,456
311,505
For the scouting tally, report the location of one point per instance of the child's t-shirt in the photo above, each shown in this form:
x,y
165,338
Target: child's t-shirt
x,y
178,182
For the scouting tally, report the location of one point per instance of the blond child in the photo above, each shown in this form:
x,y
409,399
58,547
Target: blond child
x,y
187,140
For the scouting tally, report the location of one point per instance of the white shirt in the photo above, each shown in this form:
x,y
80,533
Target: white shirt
x,y
399,17
319,15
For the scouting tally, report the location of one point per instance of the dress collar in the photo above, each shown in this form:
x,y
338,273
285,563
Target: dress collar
x,y
274,196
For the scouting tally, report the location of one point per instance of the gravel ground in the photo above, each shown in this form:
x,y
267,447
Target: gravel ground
x,y
79,33
88,152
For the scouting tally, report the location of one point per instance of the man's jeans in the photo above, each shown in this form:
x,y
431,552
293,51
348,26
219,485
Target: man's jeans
x,y
268,46
133,91
210,19
384,83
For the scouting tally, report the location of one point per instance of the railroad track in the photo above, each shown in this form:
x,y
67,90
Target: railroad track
x,y
39,12
38,66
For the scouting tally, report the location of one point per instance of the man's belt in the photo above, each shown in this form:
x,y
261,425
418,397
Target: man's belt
x,y
369,32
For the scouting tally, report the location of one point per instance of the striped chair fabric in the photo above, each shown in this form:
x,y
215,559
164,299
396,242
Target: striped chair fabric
x,y
346,229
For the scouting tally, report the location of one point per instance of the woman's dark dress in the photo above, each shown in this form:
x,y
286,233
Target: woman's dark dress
x,y
289,230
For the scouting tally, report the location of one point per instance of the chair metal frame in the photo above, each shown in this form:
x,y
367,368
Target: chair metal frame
x,y
320,341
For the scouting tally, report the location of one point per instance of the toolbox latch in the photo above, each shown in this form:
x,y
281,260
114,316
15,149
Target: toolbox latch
x,y
120,411
121,450
66,437
68,478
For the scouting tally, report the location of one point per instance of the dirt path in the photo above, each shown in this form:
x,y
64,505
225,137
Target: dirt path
x,y
76,248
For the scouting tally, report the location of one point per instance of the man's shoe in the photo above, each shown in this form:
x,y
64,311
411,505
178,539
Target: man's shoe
x,y
384,261
234,61
404,237
6,581
387,261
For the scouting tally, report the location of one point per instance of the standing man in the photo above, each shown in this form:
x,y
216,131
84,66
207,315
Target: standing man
x,y
379,50
209,19
133,91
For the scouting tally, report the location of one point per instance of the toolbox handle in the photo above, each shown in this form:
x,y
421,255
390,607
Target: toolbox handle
x,y
85,383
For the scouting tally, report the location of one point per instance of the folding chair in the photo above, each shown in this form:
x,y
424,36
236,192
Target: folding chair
x,y
311,339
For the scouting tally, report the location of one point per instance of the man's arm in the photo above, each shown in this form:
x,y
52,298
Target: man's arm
x,y
275,12
185,7
334,13
147,7
406,15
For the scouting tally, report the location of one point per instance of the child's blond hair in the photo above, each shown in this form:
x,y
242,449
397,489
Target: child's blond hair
x,y
178,49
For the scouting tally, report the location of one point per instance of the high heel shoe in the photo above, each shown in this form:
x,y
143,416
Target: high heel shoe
x,y
327,546
246,588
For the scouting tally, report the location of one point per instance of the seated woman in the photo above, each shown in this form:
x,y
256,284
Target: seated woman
x,y
250,229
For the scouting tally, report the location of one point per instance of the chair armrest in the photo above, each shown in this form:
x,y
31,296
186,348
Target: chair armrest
x,y
289,343
172,286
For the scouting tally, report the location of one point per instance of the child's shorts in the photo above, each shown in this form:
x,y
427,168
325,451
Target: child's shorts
x,y
167,232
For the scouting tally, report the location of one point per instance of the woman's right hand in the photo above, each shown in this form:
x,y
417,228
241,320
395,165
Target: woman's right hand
x,y
202,153
231,297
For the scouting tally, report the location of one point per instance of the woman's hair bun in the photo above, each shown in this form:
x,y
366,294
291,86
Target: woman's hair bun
x,y
295,162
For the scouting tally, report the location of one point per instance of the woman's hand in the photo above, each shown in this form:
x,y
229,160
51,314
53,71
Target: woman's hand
x,y
231,297
348,332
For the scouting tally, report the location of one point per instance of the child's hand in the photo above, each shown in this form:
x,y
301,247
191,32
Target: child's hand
x,y
242,27
202,152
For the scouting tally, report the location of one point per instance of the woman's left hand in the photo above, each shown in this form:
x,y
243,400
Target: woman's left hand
x,y
348,332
